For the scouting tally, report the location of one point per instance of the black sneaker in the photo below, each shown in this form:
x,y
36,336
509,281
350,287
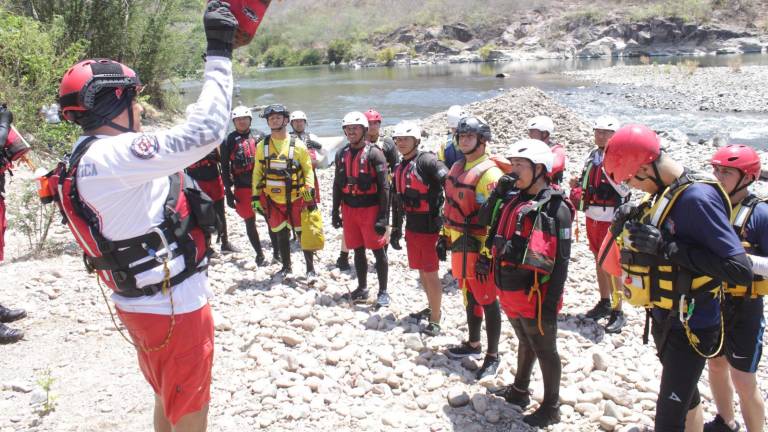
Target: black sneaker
x,y
343,263
615,322
514,396
601,309
382,300
360,295
421,315
227,247
431,329
543,416
489,367
260,259
9,335
11,315
285,272
464,350
719,425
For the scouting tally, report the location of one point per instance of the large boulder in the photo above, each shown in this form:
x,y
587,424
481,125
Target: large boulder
x,y
437,46
459,31
604,47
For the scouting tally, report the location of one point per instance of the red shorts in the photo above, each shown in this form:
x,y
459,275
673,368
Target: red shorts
x,y
243,202
3,224
277,214
422,254
180,373
358,227
213,188
483,292
596,232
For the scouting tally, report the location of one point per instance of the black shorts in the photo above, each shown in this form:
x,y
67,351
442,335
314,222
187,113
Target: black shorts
x,y
744,328
681,370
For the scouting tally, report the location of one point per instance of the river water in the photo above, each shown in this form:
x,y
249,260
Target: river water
x,y
326,94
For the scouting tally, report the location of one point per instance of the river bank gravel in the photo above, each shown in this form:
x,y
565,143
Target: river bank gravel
x,y
686,87
295,357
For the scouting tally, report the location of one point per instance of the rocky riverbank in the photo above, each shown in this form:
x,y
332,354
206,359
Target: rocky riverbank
x,y
685,87
292,357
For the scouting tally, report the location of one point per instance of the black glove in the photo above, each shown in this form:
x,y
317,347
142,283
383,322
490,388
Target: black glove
x,y
336,219
620,217
646,239
394,239
230,198
380,226
505,184
220,26
6,117
482,268
442,248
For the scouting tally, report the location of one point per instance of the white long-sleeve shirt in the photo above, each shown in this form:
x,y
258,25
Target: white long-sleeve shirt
x,y
603,214
124,180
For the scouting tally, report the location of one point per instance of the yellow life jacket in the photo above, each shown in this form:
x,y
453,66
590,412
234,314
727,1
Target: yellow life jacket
x,y
283,177
739,219
651,280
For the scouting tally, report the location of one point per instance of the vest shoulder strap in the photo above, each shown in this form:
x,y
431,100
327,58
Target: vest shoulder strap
x,y
660,210
743,212
80,151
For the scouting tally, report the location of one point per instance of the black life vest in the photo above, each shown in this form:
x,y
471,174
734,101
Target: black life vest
x,y
189,220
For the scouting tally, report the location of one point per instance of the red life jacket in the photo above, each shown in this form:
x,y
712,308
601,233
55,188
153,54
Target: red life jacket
x,y
524,250
596,190
411,188
205,169
189,220
461,207
243,156
360,188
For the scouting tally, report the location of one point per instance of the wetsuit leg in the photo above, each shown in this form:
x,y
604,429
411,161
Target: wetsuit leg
x,y
474,317
284,245
218,206
492,326
309,258
361,268
681,370
545,347
526,357
253,234
273,240
382,268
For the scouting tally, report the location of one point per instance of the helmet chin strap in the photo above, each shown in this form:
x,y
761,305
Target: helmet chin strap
x,y
477,144
535,178
738,189
657,177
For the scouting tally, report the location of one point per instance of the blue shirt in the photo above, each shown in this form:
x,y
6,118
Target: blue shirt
x,y
699,219
756,231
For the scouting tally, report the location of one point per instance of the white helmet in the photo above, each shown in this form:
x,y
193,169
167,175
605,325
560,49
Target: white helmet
x,y
241,111
298,115
355,118
455,113
541,123
538,152
607,123
407,129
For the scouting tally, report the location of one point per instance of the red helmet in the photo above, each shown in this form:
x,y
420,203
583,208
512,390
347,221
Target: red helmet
x,y
739,156
249,14
373,115
630,147
83,81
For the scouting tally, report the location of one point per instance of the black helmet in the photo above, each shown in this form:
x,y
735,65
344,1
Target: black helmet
x,y
275,109
474,125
